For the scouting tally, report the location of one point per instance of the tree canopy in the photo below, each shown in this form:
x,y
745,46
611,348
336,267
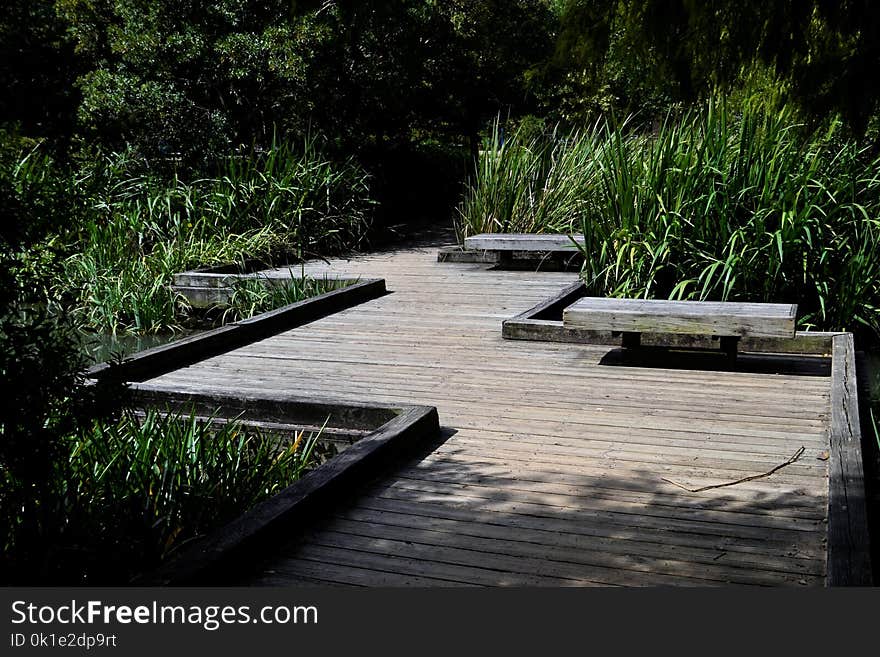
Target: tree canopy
x,y
197,78
647,54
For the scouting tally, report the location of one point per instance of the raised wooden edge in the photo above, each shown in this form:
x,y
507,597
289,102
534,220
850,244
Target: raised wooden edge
x,y
216,559
848,549
206,288
186,351
536,324
210,279
458,254
557,303
274,407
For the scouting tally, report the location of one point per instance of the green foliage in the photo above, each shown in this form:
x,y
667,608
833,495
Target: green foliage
x,y
126,493
141,487
197,79
44,400
140,230
41,371
37,197
712,206
252,296
648,55
86,497
527,183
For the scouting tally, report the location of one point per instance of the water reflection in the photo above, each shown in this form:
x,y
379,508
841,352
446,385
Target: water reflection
x,y
102,347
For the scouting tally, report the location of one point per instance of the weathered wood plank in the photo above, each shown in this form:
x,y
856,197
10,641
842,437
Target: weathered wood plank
x,y
499,490
641,568
568,479
324,573
657,540
523,242
498,569
632,545
849,555
334,551
504,508
768,320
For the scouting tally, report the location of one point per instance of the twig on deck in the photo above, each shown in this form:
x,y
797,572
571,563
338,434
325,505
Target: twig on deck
x,y
794,458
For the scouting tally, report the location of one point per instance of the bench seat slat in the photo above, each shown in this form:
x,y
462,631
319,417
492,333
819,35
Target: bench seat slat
x,y
522,242
691,317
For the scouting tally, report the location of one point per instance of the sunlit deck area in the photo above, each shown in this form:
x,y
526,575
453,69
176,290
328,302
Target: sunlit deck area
x,y
558,464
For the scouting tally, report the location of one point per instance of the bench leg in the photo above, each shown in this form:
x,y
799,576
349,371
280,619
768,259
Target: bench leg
x,y
631,340
729,346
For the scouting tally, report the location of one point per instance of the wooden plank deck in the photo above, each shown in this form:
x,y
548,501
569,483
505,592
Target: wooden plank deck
x,y
553,467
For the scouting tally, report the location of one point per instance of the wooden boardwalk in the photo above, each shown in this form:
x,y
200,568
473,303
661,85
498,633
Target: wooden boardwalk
x,y
555,467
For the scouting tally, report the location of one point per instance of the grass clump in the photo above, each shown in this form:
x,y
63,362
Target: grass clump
x,y
712,205
128,229
252,296
135,489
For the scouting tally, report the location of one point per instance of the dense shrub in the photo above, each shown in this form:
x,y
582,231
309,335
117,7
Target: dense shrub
x,y
44,401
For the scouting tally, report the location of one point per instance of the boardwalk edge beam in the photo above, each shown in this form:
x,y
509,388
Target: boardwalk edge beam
x,y
848,560
153,362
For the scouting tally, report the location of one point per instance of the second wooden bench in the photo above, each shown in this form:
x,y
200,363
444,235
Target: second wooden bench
x,y
729,321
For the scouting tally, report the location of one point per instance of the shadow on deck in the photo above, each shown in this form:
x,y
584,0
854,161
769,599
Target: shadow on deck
x,y
713,361
445,519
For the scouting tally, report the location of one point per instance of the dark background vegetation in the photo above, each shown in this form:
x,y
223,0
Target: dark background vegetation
x,y
398,80
399,93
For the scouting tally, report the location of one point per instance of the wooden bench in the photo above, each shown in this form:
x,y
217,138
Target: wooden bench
x,y
729,321
507,242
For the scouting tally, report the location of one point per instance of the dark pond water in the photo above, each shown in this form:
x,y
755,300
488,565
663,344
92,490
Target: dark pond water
x,y
874,374
871,459
100,348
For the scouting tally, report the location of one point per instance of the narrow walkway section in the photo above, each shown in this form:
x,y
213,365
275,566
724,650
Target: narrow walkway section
x,y
557,466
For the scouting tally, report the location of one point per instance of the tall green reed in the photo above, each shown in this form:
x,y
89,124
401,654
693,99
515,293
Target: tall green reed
x,y
139,229
711,205
141,487
251,296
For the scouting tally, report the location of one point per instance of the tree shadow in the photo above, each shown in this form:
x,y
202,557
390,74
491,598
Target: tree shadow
x,y
716,361
538,516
